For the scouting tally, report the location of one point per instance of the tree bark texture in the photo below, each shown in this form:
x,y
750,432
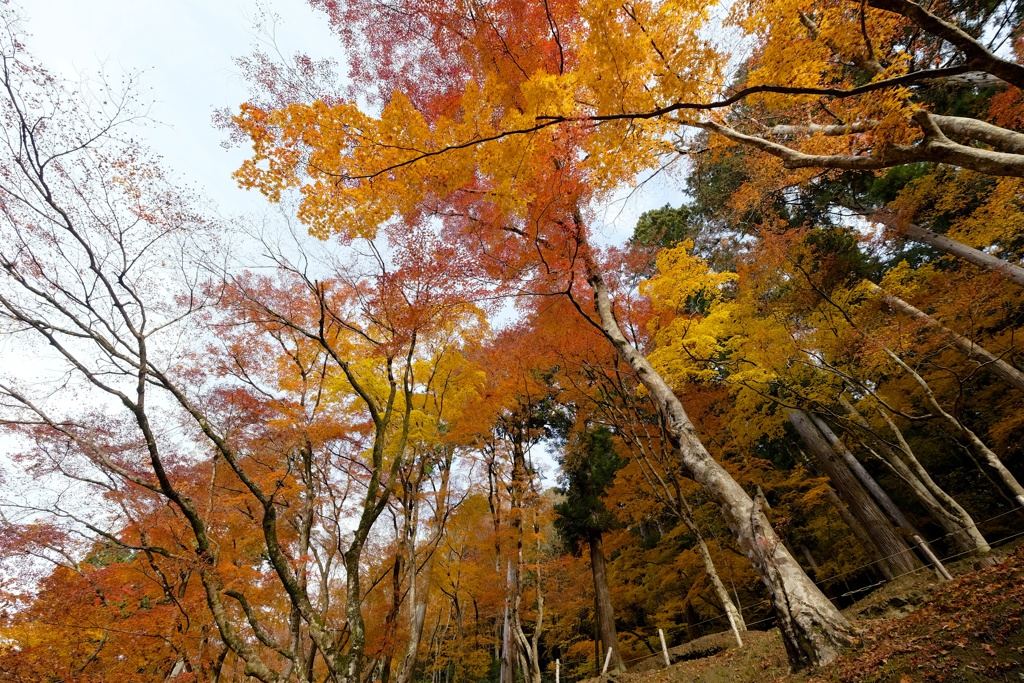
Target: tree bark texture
x,y
957,522
1011,271
603,602
1005,371
897,558
864,477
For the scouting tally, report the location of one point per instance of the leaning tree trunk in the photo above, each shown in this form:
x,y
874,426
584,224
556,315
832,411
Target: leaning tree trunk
x,y
1005,371
1012,272
864,477
603,602
957,522
732,613
813,630
869,483
979,446
858,529
896,556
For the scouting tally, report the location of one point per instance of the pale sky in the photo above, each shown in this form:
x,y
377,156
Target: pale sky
x,y
185,51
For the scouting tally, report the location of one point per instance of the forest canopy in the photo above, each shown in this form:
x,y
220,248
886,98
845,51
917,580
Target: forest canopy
x,y
446,435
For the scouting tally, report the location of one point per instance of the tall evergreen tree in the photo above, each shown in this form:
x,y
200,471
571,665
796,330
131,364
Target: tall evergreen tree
x,y
582,519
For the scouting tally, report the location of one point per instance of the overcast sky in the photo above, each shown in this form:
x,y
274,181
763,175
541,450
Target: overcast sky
x,y
185,51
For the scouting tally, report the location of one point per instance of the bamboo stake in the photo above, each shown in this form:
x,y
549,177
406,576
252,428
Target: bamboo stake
x,y
607,661
664,648
939,568
558,664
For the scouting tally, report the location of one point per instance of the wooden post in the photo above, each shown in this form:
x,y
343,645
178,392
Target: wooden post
x,y
558,664
607,661
939,568
664,648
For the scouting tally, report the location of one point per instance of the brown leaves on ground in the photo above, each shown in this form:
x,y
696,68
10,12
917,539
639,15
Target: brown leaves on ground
x,y
970,630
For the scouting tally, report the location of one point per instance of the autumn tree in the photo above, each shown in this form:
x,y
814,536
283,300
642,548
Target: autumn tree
x,y
297,400
486,150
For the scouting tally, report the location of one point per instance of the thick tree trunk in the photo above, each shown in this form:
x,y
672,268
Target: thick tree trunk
x,y
860,532
863,476
603,602
1012,272
897,558
813,630
1005,371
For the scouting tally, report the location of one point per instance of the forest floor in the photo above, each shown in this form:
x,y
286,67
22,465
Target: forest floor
x,y
967,630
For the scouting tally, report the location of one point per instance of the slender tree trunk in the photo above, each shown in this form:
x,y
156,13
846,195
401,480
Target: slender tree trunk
x,y
354,613
813,630
957,522
603,602
418,598
897,558
508,646
736,622
815,567
1005,371
391,620
977,444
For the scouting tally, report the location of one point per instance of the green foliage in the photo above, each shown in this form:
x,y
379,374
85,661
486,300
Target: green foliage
x,y
665,227
588,470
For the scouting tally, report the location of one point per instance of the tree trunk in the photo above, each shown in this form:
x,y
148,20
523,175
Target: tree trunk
x,y
957,522
508,646
858,529
813,630
736,622
418,598
391,620
354,614
1005,371
603,602
977,444
896,556
865,478
1012,272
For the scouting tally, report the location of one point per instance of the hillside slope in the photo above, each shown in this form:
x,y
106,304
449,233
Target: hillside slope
x,y
967,630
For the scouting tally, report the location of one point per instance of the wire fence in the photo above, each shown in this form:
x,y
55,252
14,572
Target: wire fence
x,y
864,589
